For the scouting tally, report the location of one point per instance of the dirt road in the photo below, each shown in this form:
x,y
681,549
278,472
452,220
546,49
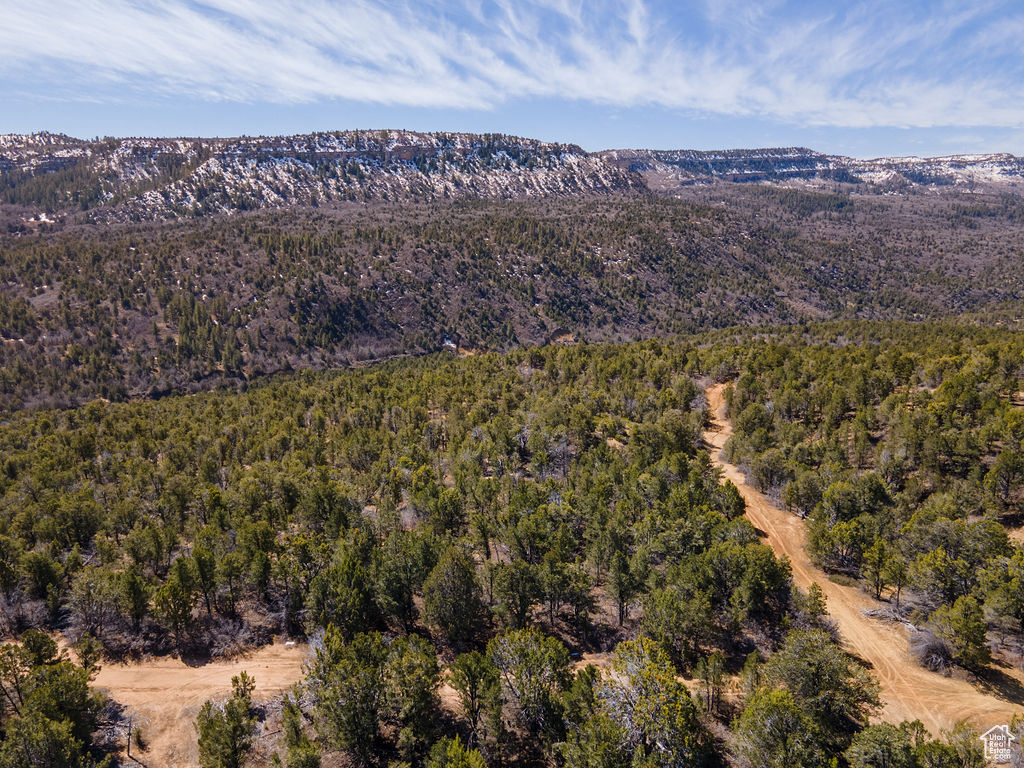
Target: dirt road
x,y
908,691
165,695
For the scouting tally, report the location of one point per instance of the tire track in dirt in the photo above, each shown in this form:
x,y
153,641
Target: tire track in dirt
x,y
909,692
164,695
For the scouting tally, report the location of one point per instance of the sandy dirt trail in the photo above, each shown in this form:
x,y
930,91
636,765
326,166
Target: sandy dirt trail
x,y
909,692
165,695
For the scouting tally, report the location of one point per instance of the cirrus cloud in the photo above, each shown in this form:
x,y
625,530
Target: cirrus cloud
x,y
871,64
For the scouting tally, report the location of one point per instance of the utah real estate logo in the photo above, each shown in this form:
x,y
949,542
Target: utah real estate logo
x,y
997,743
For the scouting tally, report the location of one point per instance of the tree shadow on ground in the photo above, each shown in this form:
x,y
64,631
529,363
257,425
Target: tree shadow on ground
x,y
995,681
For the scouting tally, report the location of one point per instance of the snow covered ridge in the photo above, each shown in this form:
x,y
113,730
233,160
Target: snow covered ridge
x,y
768,165
953,169
152,178
141,178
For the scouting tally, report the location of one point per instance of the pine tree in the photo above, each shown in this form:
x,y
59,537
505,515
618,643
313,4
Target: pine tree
x,y
226,730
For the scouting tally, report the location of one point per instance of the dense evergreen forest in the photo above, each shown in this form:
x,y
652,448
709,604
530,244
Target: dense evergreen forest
x,y
905,455
543,532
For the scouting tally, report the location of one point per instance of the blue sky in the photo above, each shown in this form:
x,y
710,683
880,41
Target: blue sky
x,y
857,78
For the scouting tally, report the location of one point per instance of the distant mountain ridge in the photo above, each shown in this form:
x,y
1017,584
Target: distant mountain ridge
x,y
153,178
142,178
666,168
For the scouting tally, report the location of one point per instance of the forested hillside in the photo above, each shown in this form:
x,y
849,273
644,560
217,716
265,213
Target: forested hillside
x,y
499,522
431,407
146,309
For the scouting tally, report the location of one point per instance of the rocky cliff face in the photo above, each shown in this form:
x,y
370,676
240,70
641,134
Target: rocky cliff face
x,y
155,178
672,168
146,179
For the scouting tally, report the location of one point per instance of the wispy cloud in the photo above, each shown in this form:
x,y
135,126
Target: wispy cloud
x,y
871,64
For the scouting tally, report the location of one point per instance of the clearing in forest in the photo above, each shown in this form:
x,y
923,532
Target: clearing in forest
x,y
164,695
